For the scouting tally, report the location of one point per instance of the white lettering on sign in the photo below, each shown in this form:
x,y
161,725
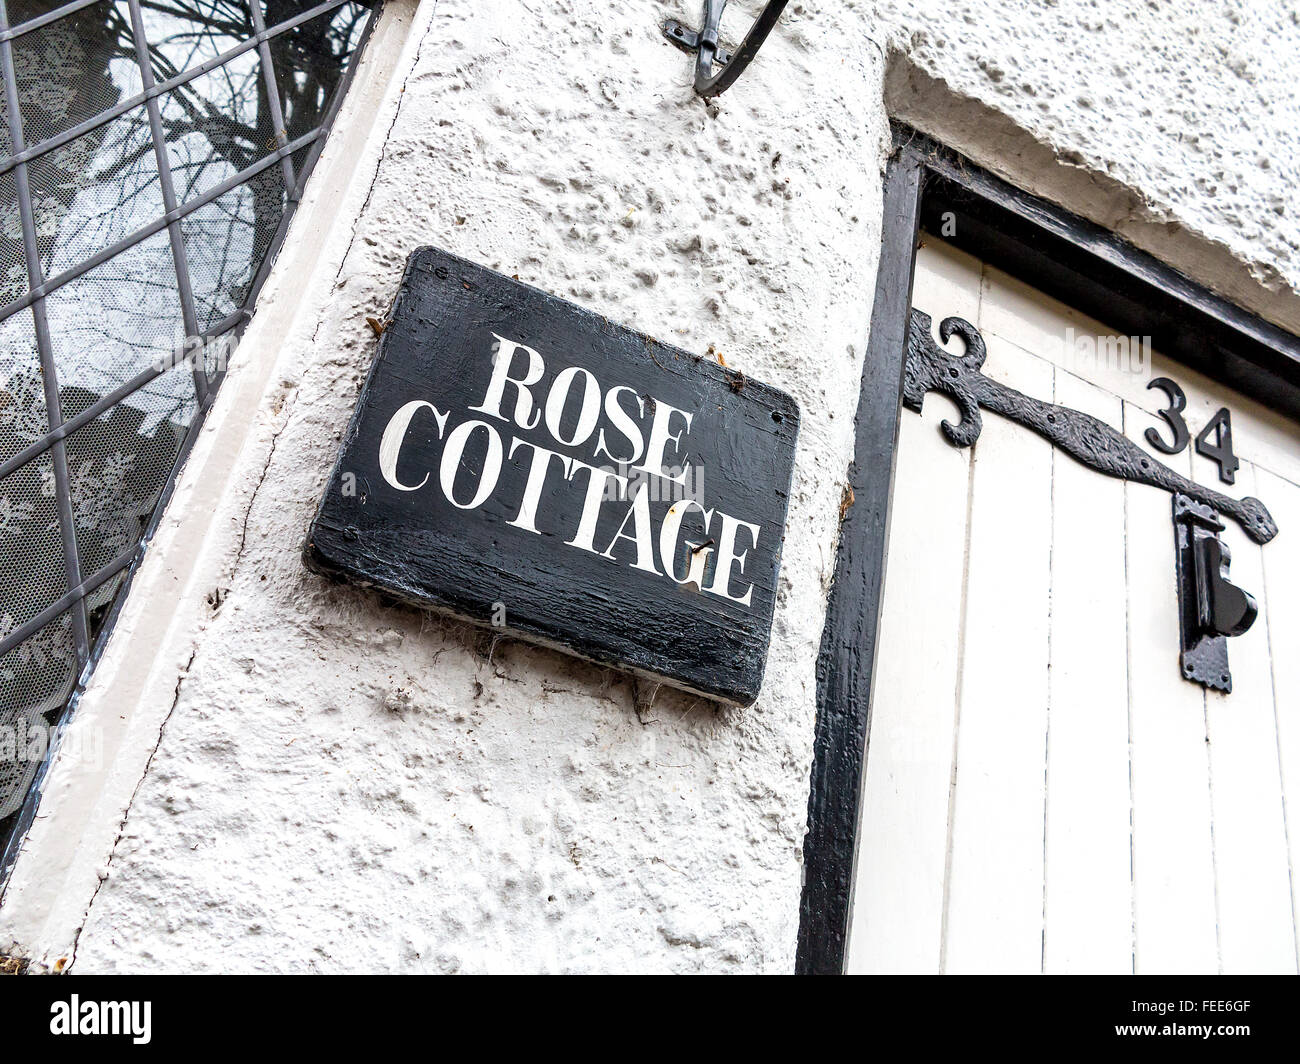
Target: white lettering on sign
x,y
501,363
611,422
625,424
391,444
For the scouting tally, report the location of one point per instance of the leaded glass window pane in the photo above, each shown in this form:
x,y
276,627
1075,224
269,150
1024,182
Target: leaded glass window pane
x,y
147,175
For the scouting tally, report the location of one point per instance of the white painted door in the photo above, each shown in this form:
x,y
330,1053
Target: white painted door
x,y
1044,792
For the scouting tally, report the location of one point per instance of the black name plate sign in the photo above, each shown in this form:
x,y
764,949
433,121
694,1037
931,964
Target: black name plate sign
x,y
523,463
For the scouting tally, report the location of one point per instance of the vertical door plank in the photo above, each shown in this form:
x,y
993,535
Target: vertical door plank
x,y
1256,929
1043,790
903,835
1282,589
995,888
1088,893
1175,918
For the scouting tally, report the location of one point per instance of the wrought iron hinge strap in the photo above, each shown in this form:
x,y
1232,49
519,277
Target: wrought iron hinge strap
x,y
1082,436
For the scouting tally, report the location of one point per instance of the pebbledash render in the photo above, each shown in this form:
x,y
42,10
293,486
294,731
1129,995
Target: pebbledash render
x,y
293,774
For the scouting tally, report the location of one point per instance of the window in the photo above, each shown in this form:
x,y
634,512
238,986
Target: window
x,y
151,155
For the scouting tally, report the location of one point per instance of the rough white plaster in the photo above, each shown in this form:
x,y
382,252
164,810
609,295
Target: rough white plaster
x,y
1179,120
342,785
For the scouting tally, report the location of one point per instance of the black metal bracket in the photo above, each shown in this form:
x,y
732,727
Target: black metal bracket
x,y
1083,437
708,50
1210,609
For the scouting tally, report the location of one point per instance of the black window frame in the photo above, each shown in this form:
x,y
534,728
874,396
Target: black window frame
x,y
1069,259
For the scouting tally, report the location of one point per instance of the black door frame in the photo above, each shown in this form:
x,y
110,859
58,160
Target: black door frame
x,y
1069,259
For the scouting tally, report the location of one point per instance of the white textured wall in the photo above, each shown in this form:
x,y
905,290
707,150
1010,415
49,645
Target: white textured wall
x,y
1181,118
341,785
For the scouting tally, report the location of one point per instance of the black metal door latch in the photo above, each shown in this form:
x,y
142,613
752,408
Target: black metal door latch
x,y
1210,608
708,49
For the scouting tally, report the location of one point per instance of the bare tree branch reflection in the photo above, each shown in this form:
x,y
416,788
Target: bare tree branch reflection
x,y
125,314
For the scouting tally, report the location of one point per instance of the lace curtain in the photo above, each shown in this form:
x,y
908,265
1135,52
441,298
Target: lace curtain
x,y
109,324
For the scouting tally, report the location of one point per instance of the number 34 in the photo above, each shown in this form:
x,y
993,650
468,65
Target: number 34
x,y
1214,441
